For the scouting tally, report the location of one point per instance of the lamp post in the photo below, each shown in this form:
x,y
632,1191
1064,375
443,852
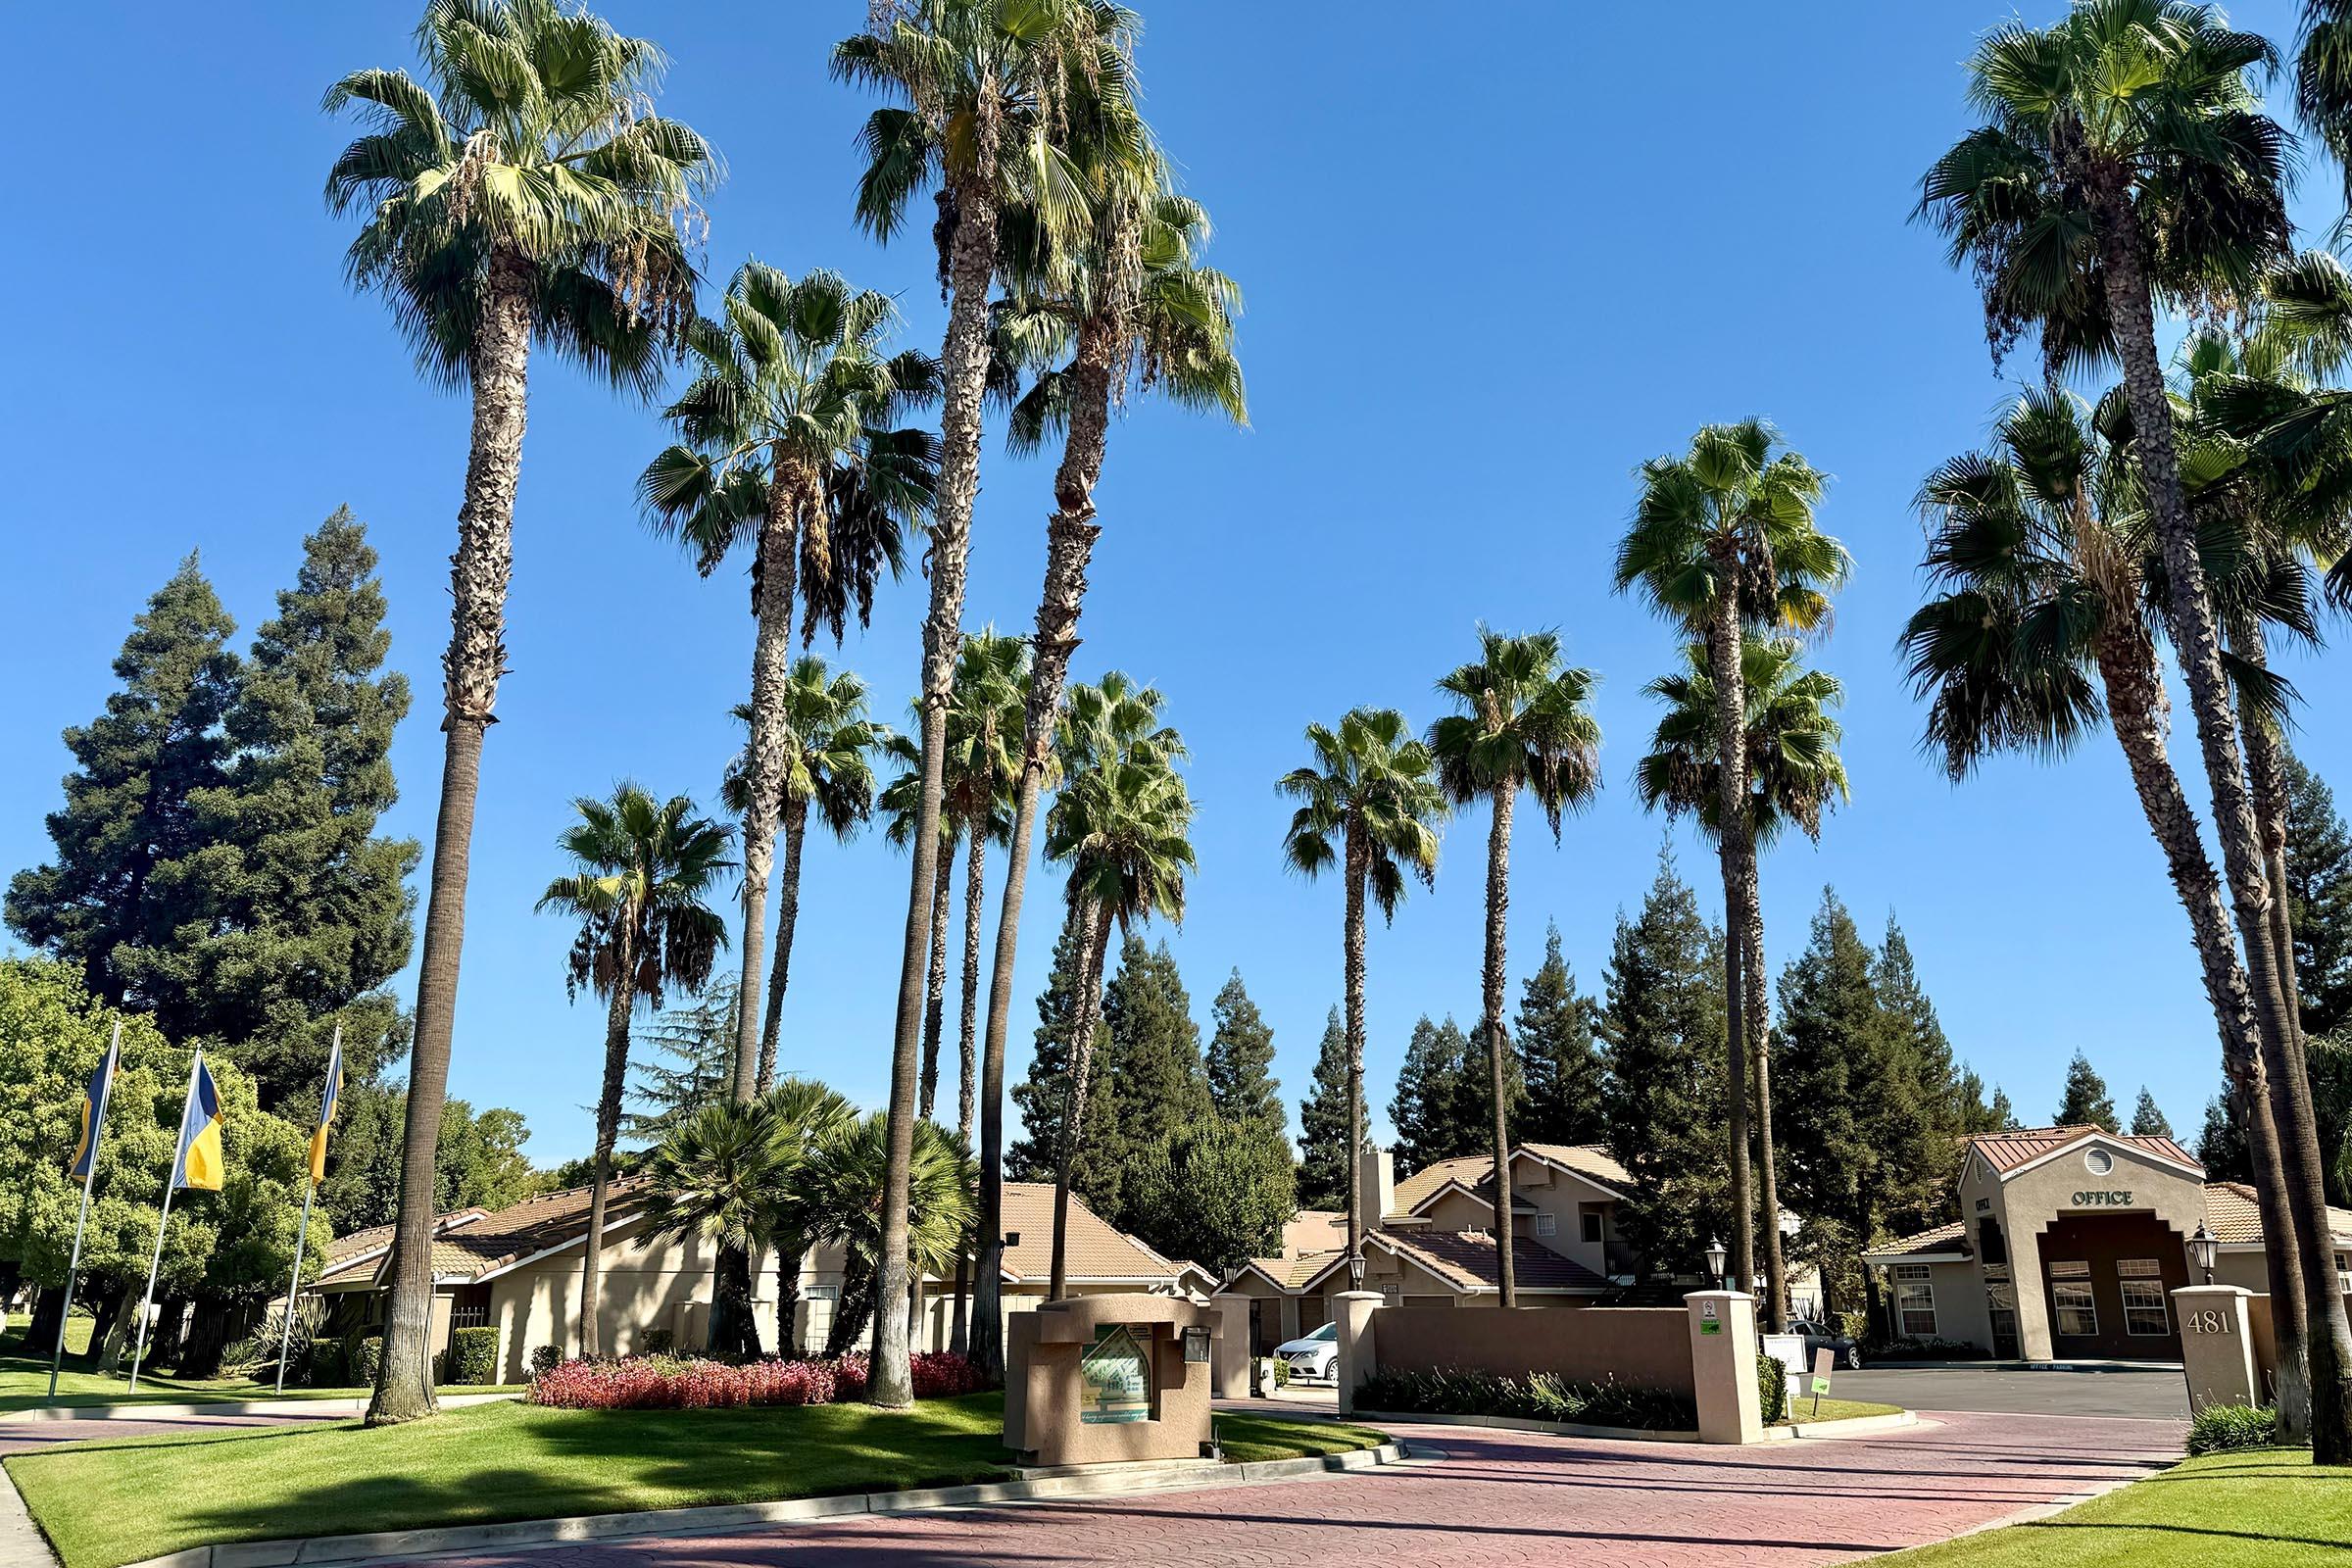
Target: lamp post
x,y
1355,1268
2206,1248
1716,1254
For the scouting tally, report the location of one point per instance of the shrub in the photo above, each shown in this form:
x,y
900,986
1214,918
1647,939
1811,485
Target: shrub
x,y
1540,1397
657,1342
362,1357
326,1366
695,1382
472,1357
545,1358
1772,1387
2219,1428
1282,1371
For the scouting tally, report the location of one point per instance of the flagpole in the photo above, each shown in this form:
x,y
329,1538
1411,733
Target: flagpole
x,y
163,1221
285,1333
105,1091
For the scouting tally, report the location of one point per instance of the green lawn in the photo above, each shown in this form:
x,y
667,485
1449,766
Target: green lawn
x,y
25,1380
515,1461
2264,1508
1801,1410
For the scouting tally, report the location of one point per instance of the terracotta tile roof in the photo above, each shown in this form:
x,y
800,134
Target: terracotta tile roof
x,y
1476,1171
1314,1230
343,1249
1098,1250
2235,1215
1588,1160
1951,1237
1415,1189
2005,1151
470,1243
1466,1259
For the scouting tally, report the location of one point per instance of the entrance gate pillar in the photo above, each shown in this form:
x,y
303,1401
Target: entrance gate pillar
x,y
1723,1366
1235,1348
1359,1356
2216,1345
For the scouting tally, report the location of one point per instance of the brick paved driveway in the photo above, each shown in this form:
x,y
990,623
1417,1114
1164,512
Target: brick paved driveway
x,y
1499,1498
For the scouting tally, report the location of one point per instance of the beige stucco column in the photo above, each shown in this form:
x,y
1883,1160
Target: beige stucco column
x,y
1723,1366
1229,1354
2217,1349
1359,1354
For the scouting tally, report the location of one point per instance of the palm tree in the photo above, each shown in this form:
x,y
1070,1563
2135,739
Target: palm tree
x,y
992,689
714,1178
643,871
521,190
901,802
1525,725
1122,825
802,1116
981,86
1368,804
1795,775
843,1181
1722,543
786,419
828,768
2126,151
2042,622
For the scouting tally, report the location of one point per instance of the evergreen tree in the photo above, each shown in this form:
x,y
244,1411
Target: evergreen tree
x,y
1558,1060
2003,1114
1662,1020
2085,1103
2147,1118
1323,1153
1241,1059
300,912
1428,1106
1035,1156
2221,1146
2319,895
130,806
1148,1073
697,1044
479,1160
1976,1115
1215,1191
1931,1102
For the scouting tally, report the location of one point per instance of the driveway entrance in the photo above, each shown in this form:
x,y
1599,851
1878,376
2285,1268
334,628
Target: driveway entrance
x,y
2149,1392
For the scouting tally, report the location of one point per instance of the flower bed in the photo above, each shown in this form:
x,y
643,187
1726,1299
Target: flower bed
x,y
696,1383
1541,1397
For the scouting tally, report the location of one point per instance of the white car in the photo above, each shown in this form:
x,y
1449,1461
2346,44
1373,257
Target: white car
x,y
1313,1354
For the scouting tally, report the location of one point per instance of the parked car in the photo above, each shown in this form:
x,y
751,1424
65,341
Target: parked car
x,y
1313,1354
1819,1336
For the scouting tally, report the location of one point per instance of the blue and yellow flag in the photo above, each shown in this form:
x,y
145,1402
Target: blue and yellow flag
x,y
199,1162
326,1109
93,1107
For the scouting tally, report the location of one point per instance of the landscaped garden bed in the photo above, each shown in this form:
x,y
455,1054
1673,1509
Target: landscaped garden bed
x,y
1538,1396
698,1383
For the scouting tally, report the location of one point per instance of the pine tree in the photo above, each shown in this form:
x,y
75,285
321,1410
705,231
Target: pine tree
x,y
1976,1115
1933,1102
2147,1119
1035,1156
1424,1110
128,807
2319,893
1148,1072
2086,1103
695,1048
1323,1153
1558,1060
301,913
2221,1146
1241,1059
1662,1018
2003,1114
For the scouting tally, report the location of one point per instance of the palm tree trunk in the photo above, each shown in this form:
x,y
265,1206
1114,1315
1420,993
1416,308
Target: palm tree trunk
x,y
2136,711
787,919
971,269
792,1254
471,670
959,1338
1759,1052
2329,1347
1070,537
608,1133
1352,981
934,985
776,571
1095,932
1731,730
856,1308
968,1041
1498,906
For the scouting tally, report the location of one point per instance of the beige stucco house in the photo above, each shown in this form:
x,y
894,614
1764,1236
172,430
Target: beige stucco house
x,y
518,1269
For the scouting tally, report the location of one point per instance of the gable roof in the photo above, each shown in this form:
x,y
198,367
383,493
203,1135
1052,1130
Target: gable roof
x,y
1468,1171
1941,1241
2008,1153
2235,1215
471,1245
1466,1261
1097,1249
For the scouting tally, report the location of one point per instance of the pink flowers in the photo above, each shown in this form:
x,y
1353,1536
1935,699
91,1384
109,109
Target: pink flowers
x,y
694,1383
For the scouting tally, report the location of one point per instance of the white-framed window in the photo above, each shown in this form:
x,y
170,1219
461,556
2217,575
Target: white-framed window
x,y
2070,1294
1915,1300
2343,1272
1592,1219
1548,1224
2142,1281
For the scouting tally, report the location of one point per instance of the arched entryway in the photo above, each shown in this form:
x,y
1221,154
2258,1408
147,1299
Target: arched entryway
x,y
2108,1283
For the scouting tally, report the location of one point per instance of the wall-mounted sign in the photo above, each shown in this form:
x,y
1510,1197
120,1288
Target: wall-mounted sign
x,y
1196,1344
1114,1378
2096,1200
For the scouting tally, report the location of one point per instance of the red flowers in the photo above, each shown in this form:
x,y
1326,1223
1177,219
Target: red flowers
x,y
693,1383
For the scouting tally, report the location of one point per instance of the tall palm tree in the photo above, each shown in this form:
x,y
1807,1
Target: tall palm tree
x,y
1122,826
792,397
2041,623
1368,804
521,190
901,802
1525,724
843,1179
2125,150
644,870
1795,775
828,769
714,1178
802,1116
981,85
1723,542
992,690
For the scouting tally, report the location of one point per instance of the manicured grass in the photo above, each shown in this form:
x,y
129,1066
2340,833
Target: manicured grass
x,y
1801,1410
515,1461
25,1380
2263,1508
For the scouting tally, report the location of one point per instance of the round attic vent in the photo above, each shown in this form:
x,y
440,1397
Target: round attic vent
x,y
2099,1161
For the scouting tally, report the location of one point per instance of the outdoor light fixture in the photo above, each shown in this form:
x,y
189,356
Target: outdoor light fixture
x,y
1716,1255
1356,1270
2205,1248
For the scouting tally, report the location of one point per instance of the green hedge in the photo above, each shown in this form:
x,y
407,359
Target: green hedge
x,y
2220,1428
1771,1389
362,1358
1539,1397
471,1356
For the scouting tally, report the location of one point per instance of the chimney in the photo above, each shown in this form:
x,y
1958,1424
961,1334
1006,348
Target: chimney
x,y
1378,1179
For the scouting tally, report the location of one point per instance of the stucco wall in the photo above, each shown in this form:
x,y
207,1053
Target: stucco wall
x,y
1641,1346
2029,1199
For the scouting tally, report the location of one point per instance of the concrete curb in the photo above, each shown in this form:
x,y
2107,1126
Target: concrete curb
x,y
21,1543
1521,1422
338,1409
1852,1426
407,1544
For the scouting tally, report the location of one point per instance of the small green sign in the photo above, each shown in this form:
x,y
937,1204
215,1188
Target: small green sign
x,y
1708,1326
1821,1386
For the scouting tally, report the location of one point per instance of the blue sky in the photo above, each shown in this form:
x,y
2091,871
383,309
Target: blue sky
x,y
1490,266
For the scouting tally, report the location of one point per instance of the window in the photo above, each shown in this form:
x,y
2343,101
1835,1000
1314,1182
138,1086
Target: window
x,y
2142,1283
1592,1220
2343,1272
2069,1292
1915,1300
1547,1225
471,1307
